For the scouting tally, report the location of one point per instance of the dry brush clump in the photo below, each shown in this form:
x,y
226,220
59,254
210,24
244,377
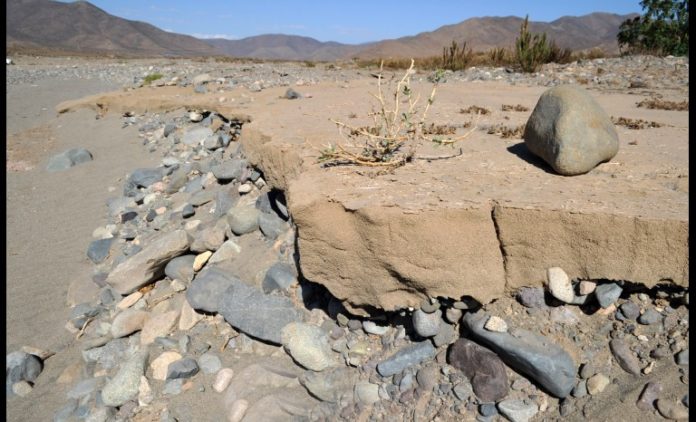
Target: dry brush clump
x,y
398,128
634,123
658,104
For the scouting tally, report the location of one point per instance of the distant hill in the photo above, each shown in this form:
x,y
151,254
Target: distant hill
x,y
84,28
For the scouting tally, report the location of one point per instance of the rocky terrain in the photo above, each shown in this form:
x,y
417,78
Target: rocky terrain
x,y
192,300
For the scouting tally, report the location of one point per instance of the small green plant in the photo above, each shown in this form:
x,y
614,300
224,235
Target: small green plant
x,y
500,56
398,129
151,78
456,57
532,49
309,63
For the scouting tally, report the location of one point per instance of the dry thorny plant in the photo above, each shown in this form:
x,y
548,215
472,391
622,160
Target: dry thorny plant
x,y
634,123
398,129
658,104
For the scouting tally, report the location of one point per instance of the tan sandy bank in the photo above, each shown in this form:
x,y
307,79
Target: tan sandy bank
x,y
484,222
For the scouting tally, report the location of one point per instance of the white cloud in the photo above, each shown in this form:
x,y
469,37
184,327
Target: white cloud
x,y
207,36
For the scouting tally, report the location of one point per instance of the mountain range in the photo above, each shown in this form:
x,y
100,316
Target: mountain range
x,y
80,27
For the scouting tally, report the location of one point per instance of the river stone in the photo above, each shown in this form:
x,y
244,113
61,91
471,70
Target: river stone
x,y
128,321
532,355
607,294
366,392
142,178
407,356
570,131
649,317
626,359
69,158
630,310
207,289
209,363
145,266
98,250
196,135
180,268
279,277
226,251
243,220
182,368
21,366
559,284
531,297
671,410
249,310
271,225
308,345
597,383
158,325
650,393
125,384
427,324
331,384
483,368
517,410
229,169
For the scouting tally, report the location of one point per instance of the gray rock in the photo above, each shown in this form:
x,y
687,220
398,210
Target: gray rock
x,y
207,289
649,317
651,392
259,315
21,366
210,238
279,277
109,355
531,297
69,158
482,367
196,135
308,345
446,335
65,413
530,354
332,384
182,368
81,313
487,409
607,294
212,142
463,390
201,198
425,324
570,131
580,390
682,358
671,410
200,89
243,220
406,357
144,267
142,178
367,393
180,268
630,310
225,199
98,250
172,387
169,128
84,388
271,225
626,359
125,384
229,170
209,363
188,211
291,94
517,410
177,180
370,327
428,377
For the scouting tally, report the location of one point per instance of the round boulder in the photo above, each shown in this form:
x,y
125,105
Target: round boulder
x,y
570,131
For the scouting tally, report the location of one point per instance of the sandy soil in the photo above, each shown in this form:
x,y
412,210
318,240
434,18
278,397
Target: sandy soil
x,y
50,216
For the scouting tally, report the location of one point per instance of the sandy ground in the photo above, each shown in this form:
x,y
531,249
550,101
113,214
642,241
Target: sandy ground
x,y
50,219
50,216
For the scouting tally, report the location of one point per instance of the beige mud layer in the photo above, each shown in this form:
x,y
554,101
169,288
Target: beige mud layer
x,y
484,222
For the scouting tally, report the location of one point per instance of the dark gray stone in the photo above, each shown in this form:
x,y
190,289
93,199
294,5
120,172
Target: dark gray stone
x,y
259,315
570,131
682,358
271,225
531,297
427,324
69,158
406,357
180,268
225,199
207,289
21,366
331,384
651,392
483,368
196,135
488,409
81,313
182,368
188,211
243,220
607,294
626,359
98,250
229,170
630,310
142,178
291,94
279,277
201,197
649,317
532,355
169,128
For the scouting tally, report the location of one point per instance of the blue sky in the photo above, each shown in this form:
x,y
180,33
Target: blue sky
x,y
347,21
